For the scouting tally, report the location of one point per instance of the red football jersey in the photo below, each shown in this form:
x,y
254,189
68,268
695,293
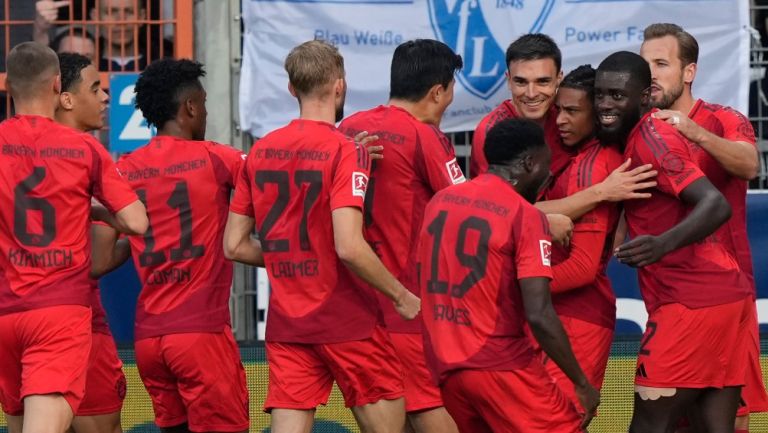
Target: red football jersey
x,y
98,316
50,172
596,302
506,110
419,161
701,274
293,179
186,186
727,123
478,239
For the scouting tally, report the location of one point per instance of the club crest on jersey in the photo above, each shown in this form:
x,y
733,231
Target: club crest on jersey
x,y
454,171
480,31
546,252
359,184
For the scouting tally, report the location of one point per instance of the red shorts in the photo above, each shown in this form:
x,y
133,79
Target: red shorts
x,y
195,378
523,400
301,375
105,381
44,351
421,393
694,348
753,394
591,345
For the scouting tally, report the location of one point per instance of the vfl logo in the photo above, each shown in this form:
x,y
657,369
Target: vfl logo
x,y
359,184
481,30
546,252
454,172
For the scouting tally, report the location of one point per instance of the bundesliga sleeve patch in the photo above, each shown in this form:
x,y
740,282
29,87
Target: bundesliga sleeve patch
x,y
546,252
454,172
359,184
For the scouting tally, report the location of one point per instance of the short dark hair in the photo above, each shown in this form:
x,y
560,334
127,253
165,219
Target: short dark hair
x,y
160,88
28,65
510,139
581,78
420,64
71,65
688,48
534,46
71,31
628,62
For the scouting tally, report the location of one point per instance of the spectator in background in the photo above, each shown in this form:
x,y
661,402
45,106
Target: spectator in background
x,y
124,44
75,40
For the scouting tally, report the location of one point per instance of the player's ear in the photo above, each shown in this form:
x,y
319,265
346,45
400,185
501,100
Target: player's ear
x,y
435,93
292,90
57,84
559,78
65,101
645,97
689,73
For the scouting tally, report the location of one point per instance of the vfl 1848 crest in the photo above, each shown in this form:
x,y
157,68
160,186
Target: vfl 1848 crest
x,y
481,30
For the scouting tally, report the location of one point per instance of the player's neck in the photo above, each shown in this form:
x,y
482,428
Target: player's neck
x,y
421,110
173,129
35,108
66,119
684,103
317,110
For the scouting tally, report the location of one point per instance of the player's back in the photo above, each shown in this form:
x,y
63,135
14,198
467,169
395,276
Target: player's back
x,y
297,176
477,240
702,274
731,125
186,186
419,161
49,174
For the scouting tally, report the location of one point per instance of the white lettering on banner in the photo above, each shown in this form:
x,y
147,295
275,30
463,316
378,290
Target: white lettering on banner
x,y
367,32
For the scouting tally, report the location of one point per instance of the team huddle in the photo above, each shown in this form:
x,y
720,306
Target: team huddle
x,y
437,304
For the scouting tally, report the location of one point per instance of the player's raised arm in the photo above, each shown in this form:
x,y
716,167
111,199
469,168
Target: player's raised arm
x,y
358,256
622,184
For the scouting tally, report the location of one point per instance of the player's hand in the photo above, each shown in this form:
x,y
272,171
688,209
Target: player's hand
x,y
641,251
561,228
682,123
363,139
623,185
408,305
589,398
46,12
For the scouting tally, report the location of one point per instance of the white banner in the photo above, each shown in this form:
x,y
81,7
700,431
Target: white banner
x,y
367,32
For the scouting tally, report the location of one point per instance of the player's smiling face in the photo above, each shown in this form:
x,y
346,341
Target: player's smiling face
x,y
533,84
667,71
575,116
618,102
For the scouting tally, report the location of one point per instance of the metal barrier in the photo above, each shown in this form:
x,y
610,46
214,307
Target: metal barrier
x,y
132,33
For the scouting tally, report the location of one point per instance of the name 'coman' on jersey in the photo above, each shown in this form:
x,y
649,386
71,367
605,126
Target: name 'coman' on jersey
x,y
186,186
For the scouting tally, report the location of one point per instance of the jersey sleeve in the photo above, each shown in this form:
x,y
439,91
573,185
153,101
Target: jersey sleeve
x,y
478,164
109,187
582,264
349,179
663,147
592,171
533,244
439,159
232,159
736,126
242,201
